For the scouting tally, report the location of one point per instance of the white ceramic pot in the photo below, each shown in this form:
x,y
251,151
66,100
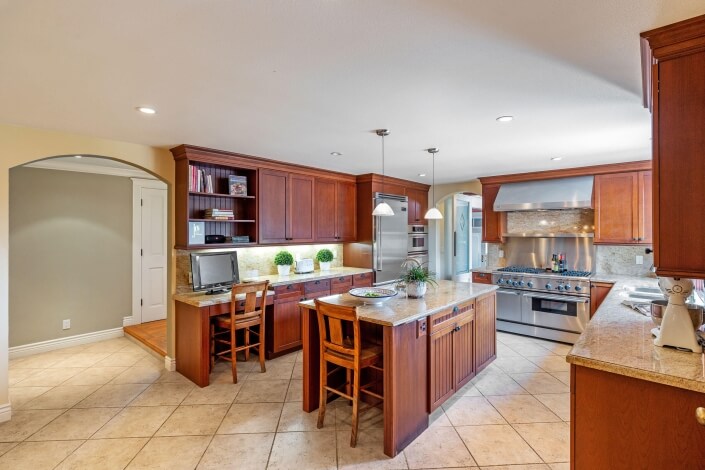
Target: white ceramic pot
x,y
284,269
415,290
325,265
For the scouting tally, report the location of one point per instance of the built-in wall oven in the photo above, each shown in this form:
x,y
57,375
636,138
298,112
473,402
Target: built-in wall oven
x,y
418,239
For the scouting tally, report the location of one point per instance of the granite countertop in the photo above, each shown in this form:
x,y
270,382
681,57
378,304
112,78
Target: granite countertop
x,y
276,280
400,309
619,340
199,299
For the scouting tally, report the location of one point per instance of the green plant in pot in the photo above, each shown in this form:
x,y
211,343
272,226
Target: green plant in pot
x,y
416,279
324,258
283,260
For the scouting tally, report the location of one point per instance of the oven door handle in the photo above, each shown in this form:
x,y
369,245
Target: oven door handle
x,y
515,292
559,298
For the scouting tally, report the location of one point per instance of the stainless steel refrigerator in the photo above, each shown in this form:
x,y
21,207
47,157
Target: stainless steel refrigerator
x,y
390,238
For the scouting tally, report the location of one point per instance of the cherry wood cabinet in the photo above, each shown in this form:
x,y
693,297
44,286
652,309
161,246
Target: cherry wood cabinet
x,y
418,206
481,278
493,223
362,280
598,292
336,211
341,285
286,207
623,208
673,61
485,331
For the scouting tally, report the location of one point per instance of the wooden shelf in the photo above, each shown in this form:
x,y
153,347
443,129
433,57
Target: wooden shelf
x,y
195,193
214,246
226,221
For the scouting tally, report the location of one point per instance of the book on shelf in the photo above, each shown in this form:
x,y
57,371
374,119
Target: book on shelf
x,y
199,181
219,214
237,185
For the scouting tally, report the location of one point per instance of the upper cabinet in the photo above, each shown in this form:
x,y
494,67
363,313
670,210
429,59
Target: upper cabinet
x,y
673,61
492,222
335,218
623,208
286,206
418,206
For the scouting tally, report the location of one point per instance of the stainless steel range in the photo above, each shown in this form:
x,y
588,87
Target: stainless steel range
x,y
535,302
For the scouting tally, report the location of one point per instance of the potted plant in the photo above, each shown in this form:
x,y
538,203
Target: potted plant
x,y
324,257
284,260
416,279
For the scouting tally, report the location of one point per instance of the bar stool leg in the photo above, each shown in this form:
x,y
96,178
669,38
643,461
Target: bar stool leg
x,y
260,347
323,393
233,347
356,399
247,343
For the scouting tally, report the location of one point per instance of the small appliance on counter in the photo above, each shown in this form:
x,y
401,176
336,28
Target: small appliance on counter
x,y
303,266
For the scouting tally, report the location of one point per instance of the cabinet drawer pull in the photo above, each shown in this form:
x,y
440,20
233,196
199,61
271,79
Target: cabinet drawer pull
x,y
288,286
318,282
455,309
700,415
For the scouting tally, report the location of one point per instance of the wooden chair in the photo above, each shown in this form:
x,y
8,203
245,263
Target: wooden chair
x,y
223,332
335,322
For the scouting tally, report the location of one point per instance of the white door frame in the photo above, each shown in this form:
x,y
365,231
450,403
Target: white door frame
x,y
137,185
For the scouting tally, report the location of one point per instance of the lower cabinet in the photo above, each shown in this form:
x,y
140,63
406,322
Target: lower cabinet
x,y
485,331
362,280
341,285
598,292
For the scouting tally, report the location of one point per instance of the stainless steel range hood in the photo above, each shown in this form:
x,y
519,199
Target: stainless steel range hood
x,y
561,193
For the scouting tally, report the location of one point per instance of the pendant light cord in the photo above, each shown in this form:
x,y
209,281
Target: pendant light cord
x,y
384,187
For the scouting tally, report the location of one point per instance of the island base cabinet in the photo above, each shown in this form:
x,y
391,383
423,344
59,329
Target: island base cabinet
x,y
283,326
619,422
485,331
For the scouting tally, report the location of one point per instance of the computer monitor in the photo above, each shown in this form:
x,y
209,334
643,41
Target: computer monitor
x,y
214,272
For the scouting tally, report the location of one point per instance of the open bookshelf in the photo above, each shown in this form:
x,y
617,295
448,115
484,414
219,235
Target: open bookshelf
x,y
194,198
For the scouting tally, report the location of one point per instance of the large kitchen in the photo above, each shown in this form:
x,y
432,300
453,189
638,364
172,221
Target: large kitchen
x,y
352,235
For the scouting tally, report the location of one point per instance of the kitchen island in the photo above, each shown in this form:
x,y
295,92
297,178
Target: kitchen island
x,y
633,404
431,348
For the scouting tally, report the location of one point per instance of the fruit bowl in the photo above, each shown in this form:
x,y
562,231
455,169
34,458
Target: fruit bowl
x,y
375,295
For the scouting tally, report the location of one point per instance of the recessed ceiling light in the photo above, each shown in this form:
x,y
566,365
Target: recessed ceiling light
x,y
422,174
146,110
505,118
555,159
78,156
336,154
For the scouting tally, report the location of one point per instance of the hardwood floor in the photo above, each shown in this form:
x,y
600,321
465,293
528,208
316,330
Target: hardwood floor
x,y
151,334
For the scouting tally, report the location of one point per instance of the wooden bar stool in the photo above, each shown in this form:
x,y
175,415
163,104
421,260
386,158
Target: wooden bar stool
x,y
335,322
224,333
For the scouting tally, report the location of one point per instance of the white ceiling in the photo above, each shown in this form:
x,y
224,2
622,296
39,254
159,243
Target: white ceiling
x,y
296,80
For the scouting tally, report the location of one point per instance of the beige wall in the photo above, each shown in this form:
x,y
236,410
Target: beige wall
x,y
443,190
70,253
20,145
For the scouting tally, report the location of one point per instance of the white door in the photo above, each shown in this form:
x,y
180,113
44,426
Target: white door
x,y
153,253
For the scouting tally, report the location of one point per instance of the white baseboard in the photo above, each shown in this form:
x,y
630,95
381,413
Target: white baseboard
x,y
129,321
5,412
59,343
169,364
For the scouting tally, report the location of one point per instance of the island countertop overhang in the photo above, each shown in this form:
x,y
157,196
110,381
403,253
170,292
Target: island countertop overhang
x,y
400,309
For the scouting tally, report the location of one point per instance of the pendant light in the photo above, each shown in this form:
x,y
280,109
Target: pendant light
x,y
433,213
383,209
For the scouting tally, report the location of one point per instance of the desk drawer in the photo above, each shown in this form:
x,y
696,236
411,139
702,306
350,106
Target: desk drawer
x,y
362,280
317,286
288,288
450,316
340,285
482,278
289,296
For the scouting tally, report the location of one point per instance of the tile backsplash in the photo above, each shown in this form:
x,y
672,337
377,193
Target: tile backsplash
x,y
260,259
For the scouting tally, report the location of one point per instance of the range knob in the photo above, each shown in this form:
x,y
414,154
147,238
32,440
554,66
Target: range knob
x,y
530,284
549,286
521,283
500,281
578,288
515,283
560,287
567,287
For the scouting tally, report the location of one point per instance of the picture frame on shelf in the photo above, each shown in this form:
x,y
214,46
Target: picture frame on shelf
x,y
237,185
196,233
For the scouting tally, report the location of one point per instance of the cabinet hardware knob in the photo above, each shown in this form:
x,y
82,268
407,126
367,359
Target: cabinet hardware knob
x,y
455,309
700,415
288,286
318,282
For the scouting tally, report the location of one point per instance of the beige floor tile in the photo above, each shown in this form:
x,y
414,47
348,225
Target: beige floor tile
x,y
214,394
252,451
103,454
61,397
438,447
371,418
291,357
108,346
173,377
295,391
438,418
498,384
6,446
150,361
171,453
559,403
294,418
298,450
82,359
531,350
537,466
251,418
559,466
470,411
504,350
117,359
226,377
497,445
110,395
192,420
136,422
163,394
75,424
261,391
368,454
25,423
138,375
541,382
275,371
562,376
522,409
95,376
17,375
20,396
513,365
508,338
38,455
551,363
550,440
50,377
298,372
469,390
39,361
